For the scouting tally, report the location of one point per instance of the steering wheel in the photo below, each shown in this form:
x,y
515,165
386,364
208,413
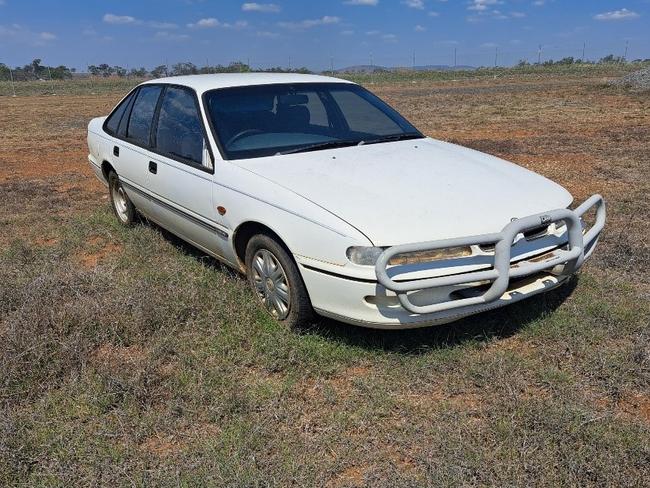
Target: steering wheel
x,y
243,133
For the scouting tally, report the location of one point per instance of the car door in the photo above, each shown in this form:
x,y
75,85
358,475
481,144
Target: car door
x,y
130,151
116,151
180,172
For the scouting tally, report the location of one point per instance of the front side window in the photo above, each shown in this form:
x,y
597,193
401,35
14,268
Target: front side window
x,y
265,120
139,127
179,133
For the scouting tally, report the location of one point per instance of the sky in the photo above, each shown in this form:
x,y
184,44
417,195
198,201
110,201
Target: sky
x,y
319,34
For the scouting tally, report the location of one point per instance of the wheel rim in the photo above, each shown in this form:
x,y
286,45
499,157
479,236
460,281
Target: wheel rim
x,y
120,202
271,284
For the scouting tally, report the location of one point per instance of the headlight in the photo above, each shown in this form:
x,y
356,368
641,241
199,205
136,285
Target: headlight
x,y
367,256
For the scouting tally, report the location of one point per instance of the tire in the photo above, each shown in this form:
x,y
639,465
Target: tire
x,y
276,282
123,209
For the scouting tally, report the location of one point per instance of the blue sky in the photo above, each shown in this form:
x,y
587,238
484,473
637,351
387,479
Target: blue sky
x,y
316,33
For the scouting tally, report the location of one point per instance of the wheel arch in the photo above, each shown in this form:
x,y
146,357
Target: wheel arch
x,y
106,169
245,231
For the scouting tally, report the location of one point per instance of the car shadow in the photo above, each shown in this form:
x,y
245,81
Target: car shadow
x,y
492,324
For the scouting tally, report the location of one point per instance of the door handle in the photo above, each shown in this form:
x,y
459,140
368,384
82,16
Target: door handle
x,y
153,167
116,151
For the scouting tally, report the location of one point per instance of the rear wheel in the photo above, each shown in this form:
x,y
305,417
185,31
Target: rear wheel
x,y
123,209
276,281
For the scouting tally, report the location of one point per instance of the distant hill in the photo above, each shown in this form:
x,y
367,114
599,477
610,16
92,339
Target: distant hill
x,y
367,68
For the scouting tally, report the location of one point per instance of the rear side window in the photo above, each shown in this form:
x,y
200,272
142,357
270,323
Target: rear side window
x,y
124,123
180,133
144,107
113,121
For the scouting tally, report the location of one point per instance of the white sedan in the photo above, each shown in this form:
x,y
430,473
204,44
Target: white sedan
x,y
331,202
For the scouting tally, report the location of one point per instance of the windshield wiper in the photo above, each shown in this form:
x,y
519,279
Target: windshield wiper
x,y
396,137
320,145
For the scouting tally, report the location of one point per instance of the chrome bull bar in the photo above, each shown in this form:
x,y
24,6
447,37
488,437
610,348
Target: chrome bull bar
x,y
500,274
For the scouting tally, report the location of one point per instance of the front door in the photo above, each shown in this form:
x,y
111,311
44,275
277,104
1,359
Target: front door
x,y
180,173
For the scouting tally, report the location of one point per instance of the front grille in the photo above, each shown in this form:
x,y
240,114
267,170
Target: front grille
x,y
536,233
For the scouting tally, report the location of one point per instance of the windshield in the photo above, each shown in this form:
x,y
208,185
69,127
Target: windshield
x,y
264,120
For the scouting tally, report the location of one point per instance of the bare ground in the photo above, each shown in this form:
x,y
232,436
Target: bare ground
x,y
128,358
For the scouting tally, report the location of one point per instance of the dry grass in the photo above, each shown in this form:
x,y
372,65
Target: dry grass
x,y
127,358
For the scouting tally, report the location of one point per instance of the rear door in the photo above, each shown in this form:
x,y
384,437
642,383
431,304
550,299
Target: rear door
x,y
130,150
181,169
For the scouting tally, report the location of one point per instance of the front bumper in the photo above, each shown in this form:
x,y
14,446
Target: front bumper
x,y
398,300
563,262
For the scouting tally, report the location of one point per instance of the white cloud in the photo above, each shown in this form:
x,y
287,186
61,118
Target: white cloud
x,y
484,9
491,45
372,33
129,20
539,3
2,3
367,3
419,28
211,22
309,23
18,34
434,14
482,5
623,14
389,37
205,23
417,4
118,19
347,32
260,7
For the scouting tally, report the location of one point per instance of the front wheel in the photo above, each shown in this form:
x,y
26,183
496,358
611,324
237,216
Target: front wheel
x,y
276,281
123,209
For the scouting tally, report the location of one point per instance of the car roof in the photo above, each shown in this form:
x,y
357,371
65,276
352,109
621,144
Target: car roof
x,y
202,83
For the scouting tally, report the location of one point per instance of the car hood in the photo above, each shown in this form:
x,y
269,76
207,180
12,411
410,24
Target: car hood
x,y
414,191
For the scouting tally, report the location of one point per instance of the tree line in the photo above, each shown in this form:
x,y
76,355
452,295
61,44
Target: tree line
x,y
569,60
38,71
35,71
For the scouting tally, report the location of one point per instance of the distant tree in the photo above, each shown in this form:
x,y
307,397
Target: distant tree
x,y
184,69
159,71
61,73
103,70
567,60
119,71
138,72
4,72
522,63
238,67
611,59
36,68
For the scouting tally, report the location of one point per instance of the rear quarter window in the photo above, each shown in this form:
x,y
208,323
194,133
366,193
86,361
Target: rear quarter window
x,y
113,120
